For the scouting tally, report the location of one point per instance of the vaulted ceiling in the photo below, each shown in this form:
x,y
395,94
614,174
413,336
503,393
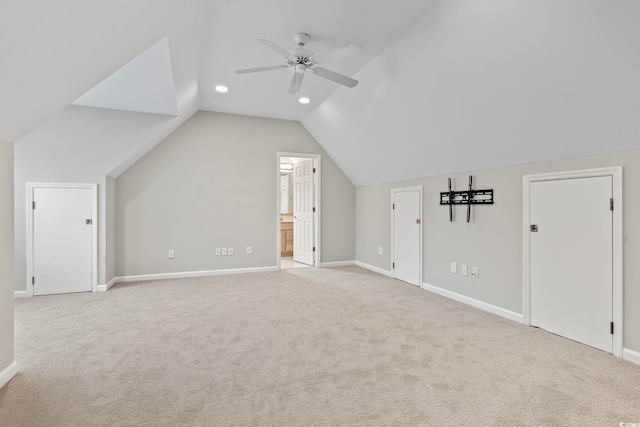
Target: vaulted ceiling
x,y
450,85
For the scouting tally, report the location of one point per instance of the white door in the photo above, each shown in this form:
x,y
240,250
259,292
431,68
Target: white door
x,y
407,231
62,240
303,215
571,259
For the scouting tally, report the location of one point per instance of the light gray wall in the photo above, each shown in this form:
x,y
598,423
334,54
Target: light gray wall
x,y
77,145
493,239
110,223
6,254
213,183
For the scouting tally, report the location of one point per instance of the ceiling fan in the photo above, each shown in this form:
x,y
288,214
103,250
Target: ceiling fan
x,y
301,60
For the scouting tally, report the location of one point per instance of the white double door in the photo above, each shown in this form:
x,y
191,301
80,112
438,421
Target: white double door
x,y
62,233
571,259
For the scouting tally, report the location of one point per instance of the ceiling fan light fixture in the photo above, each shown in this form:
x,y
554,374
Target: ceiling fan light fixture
x,y
304,100
222,89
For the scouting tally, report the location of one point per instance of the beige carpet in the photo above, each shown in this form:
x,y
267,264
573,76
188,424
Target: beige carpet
x,y
296,348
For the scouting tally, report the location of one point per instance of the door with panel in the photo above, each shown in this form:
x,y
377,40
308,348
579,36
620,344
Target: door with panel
x,y
62,240
407,234
303,212
571,259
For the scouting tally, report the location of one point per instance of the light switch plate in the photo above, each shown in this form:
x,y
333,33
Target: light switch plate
x,y
454,267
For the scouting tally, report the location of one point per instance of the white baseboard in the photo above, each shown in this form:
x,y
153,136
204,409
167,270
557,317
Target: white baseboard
x,y
104,288
338,264
631,356
8,373
374,269
187,274
20,294
508,314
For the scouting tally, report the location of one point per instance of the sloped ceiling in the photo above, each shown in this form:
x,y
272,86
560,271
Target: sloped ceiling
x,y
445,86
234,28
145,85
53,52
482,84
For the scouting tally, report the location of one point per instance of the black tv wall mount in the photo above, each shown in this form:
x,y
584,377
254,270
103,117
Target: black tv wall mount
x,y
468,197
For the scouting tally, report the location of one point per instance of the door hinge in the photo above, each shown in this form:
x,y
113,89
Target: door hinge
x,y
314,209
393,265
418,221
314,170
394,206
33,280
314,249
33,205
611,203
611,328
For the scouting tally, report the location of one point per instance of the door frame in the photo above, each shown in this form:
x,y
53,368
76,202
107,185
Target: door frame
x,y
393,255
31,186
617,243
316,200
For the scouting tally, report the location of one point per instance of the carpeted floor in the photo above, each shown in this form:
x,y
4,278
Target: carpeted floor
x,y
300,347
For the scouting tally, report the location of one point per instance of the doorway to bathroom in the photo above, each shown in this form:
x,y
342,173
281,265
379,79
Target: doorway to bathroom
x,y
298,202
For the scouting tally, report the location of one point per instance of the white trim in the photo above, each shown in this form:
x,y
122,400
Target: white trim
x,y
187,274
417,188
105,288
94,229
494,309
374,269
616,174
317,200
20,294
631,356
338,264
8,373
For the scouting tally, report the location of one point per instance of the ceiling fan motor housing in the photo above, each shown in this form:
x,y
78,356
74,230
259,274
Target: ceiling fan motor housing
x,y
301,39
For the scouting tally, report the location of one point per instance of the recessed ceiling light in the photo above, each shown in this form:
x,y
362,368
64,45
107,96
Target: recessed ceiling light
x,y
222,89
304,100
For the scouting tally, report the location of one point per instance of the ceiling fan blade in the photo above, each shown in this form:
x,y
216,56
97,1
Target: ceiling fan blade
x,y
255,70
296,82
334,55
335,77
275,47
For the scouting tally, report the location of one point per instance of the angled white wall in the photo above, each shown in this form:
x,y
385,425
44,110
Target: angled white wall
x,y
56,51
477,85
82,145
7,367
145,85
212,183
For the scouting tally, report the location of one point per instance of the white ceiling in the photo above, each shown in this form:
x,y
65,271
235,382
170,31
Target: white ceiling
x,y
234,28
445,86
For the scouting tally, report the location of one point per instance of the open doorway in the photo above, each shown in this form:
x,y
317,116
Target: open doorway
x,y
298,202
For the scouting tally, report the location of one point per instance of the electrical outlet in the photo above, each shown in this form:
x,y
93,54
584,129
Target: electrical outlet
x,y
218,252
249,250
230,251
380,250
463,270
454,267
475,273
172,254
224,251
